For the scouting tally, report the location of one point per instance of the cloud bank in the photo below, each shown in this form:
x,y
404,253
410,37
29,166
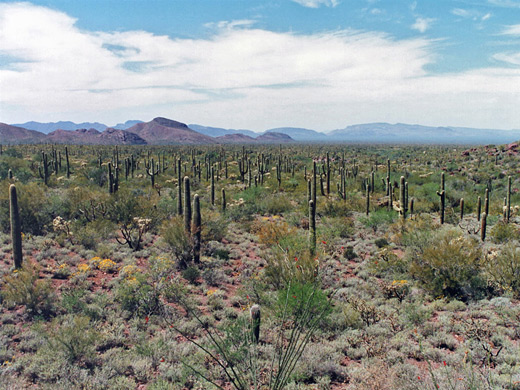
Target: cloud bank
x,y
241,76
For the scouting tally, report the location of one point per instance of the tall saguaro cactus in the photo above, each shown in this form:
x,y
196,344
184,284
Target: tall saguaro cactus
x,y
223,199
312,227
402,198
442,194
508,200
255,322
16,227
187,204
196,229
179,187
483,225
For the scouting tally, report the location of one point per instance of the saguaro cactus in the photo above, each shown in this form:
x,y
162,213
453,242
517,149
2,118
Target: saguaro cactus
x,y
442,195
187,204
402,198
483,225
486,202
312,227
255,322
508,199
16,227
368,200
223,200
461,209
67,160
479,207
179,187
196,229
212,186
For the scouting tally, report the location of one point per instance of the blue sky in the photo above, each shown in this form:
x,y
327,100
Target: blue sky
x,y
321,64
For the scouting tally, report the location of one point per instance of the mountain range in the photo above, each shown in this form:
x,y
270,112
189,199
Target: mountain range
x,y
166,131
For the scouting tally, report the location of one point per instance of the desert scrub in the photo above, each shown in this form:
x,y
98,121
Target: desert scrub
x,y
73,335
178,242
503,268
379,219
385,263
24,287
450,265
503,232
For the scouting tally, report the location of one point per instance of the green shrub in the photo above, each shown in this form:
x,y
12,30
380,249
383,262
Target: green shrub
x,y
74,336
349,253
178,241
275,204
451,266
137,295
504,268
191,274
381,242
24,287
379,219
503,232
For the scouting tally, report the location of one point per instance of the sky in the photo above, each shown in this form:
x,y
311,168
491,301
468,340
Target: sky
x,y
250,64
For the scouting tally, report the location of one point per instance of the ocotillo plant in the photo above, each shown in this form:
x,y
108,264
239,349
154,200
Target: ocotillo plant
x,y
16,227
187,204
196,229
442,195
255,322
312,227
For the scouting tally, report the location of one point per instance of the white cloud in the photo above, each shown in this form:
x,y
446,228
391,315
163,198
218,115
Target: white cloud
x,y
509,58
471,14
512,30
240,77
317,3
422,24
461,12
505,3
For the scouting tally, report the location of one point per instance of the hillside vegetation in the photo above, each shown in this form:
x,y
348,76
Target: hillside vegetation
x,y
259,267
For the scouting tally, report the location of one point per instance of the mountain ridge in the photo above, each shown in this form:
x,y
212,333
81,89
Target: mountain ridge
x,y
162,130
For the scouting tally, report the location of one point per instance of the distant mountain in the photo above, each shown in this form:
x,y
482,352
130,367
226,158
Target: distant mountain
x,y
126,125
113,136
161,131
79,136
217,131
17,135
51,126
235,139
273,137
93,137
299,134
404,133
